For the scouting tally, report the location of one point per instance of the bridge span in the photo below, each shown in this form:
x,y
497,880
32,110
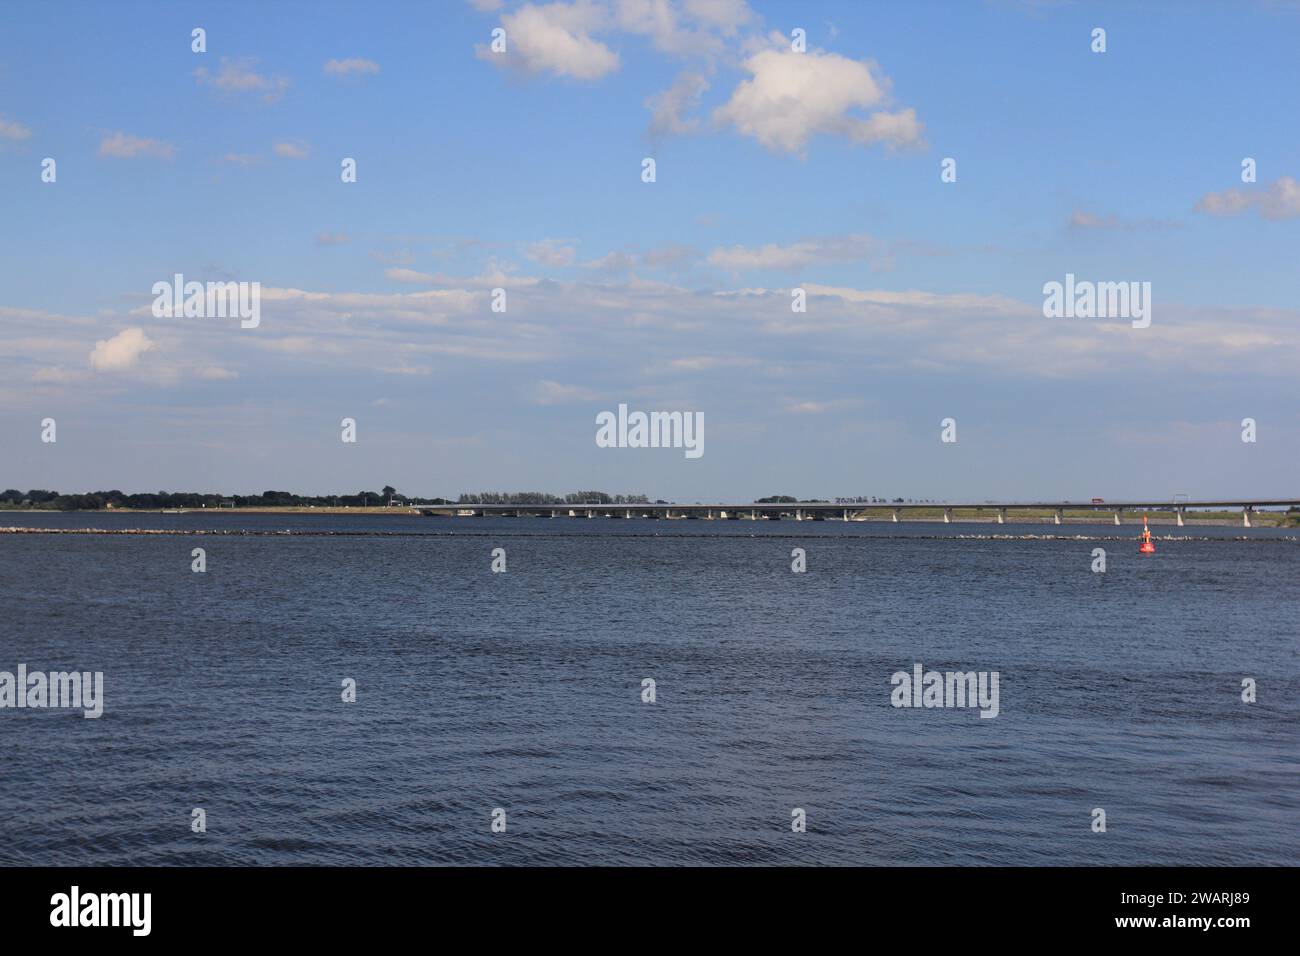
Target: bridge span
x,y
989,511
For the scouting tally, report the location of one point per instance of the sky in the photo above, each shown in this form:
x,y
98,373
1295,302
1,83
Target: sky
x,y
775,169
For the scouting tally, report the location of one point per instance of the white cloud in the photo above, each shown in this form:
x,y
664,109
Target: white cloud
x,y
292,149
1080,219
120,352
820,408
1280,201
57,375
673,255
125,146
551,252
554,393
13,130
632,330
555,38
797,255
241,159
706,363
352,66
489,280
331,238
658,20
725,15
216,373
791,97
668,107
612,263
409,275
236,75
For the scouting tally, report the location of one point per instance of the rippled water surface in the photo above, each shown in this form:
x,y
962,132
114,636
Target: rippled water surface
x,y
523,691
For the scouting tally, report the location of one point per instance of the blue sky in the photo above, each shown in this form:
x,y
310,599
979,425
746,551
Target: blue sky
x,y
775,169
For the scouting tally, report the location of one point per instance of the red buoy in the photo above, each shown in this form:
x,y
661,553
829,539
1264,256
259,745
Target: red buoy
x,y
1147,546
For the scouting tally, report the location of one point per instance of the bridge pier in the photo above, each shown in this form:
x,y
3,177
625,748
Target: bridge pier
x,y
947,516
895,515
1245,516
1002,516
1117,517
1058,516
1178,514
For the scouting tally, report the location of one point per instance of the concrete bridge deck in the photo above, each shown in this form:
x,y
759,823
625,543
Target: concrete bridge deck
x,y
836,511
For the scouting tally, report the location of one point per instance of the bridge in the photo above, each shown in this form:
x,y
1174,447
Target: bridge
x,y
857,511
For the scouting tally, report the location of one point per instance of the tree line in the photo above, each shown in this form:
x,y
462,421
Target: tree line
x,y
44,499
52,500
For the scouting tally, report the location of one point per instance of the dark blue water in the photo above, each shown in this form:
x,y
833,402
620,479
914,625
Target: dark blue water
x,y
523,691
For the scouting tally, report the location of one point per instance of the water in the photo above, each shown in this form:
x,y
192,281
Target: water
x,y
523,691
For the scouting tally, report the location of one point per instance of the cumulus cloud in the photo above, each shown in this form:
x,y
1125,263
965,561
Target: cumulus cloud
x,y
13,130
1280,201
125,146
555,38
791,97
659,20
236,75
352,66
120,352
